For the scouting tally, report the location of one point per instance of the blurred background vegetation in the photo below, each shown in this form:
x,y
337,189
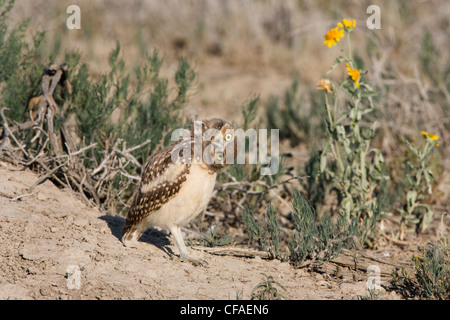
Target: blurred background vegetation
x,y
240,47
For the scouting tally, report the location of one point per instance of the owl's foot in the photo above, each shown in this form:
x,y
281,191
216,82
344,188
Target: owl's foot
x,y
130,243
184,256
195,262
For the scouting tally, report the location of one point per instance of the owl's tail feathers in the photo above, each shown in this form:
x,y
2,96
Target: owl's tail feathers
x,y
130,234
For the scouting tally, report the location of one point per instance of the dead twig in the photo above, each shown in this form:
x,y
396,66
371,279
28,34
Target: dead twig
x,y
7,132
45,177
21,196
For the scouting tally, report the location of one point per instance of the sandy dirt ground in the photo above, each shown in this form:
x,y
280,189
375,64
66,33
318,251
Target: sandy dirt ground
x,y
53,246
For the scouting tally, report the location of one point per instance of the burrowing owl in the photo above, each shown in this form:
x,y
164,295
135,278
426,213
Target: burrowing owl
x,y
175,187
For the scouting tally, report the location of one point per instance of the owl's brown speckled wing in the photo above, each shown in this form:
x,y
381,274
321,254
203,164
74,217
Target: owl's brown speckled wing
x,y
161,181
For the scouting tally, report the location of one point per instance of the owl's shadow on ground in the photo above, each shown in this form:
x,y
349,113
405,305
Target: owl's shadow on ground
x,y
152,236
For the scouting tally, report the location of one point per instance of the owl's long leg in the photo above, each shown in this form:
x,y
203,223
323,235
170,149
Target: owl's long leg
x,y
184,255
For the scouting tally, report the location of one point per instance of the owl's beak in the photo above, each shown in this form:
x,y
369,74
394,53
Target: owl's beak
x,y
218,145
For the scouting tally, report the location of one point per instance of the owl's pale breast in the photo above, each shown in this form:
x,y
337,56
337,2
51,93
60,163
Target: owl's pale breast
x,y
190,201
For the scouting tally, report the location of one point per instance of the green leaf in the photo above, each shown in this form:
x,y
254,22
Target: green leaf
x,y
410,146
428,178
355,114
250,111
379,159
368,110
337,62
427,217
340,130
411,197
365,94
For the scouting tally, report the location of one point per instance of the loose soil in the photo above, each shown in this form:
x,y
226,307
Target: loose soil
x,y
50,237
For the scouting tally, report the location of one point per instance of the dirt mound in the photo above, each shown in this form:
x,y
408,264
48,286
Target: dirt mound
x,y
53,246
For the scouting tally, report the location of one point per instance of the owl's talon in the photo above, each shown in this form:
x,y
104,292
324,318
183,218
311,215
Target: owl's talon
x,y
197,263
194,262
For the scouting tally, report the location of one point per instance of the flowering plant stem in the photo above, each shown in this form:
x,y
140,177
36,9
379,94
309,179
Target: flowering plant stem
x,y
359,167
349,44
419,177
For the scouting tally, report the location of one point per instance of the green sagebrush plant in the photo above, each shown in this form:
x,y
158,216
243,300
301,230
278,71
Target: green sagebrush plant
x,y
311,238
20,66
268,289
266,233
430,276
317,239
432,270
292,116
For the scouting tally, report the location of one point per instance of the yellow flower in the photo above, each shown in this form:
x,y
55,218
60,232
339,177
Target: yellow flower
x,y
354,74
347,24
432,136
333,36
324,84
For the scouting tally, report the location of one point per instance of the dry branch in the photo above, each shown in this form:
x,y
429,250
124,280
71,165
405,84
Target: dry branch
x,y
360,260
54,154
45,177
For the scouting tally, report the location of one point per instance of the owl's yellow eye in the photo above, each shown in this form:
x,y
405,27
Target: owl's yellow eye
x,y
219,156
228,137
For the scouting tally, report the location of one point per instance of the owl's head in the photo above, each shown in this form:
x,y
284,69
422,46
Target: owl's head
x,y
219,147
